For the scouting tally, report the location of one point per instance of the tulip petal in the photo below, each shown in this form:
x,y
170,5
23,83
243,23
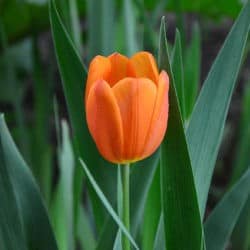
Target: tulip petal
x,y
160,116
142,64
135,98
104,121
99,69
119,65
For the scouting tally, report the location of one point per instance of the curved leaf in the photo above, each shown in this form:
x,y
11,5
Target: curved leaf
x,y
36,226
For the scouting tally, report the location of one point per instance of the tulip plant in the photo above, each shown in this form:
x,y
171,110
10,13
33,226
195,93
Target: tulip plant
x,y
144,147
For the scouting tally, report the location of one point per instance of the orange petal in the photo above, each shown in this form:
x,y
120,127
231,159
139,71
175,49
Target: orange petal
x,y
99,69
159,120
142,64
119,65
135,98
104,121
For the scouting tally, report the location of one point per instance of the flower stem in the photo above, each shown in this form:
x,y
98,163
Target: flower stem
x,y
125,208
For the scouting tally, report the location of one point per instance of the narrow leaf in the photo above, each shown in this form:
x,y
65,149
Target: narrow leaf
x,y
73,77
11,233
35,222
192,66
177,66
107,204
182,223
220,223
205,129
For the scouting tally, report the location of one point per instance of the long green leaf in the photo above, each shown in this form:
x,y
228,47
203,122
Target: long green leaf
x,y
130,27
74,77
35,222
192,66
11,233
101,20
205,129
220,223
152,213
177,66
62,205
182,223
107,204
141,177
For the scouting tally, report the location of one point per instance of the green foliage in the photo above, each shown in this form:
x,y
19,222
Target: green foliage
x,y
220,223
204,138
179,200
169,189
27,225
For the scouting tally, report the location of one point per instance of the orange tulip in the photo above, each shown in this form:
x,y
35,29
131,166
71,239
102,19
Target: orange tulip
x,y
126,106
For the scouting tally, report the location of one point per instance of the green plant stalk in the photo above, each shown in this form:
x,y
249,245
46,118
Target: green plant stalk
x,y
125,205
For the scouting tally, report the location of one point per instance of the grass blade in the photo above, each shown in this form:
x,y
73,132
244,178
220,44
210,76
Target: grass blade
x,y
107,204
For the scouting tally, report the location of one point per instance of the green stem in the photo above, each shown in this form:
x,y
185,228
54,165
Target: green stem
x,y
125,208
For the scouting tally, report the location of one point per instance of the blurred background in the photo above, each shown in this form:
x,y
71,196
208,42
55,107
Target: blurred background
x,y
31,95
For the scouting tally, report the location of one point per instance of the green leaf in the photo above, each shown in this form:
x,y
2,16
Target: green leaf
x,y
182,223
220,223
73,76
205,129
62,204
130,27
35,223
107,204
11,233
101,20
177,67
152,213
85,234
159,243
192,65
140,180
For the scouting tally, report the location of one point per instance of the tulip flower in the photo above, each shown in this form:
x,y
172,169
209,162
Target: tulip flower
x,y
126,106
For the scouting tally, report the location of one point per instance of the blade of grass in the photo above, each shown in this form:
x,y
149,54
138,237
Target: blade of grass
x,y
140,183
182,223
220,223
107,204
207,121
